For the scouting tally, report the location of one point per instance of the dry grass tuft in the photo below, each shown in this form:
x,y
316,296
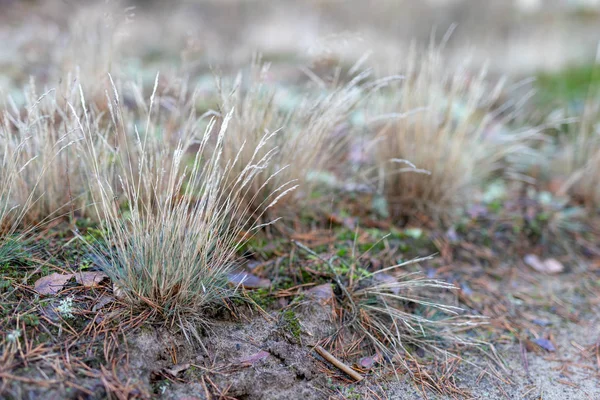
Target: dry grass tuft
x,y
39,137
442,134
173,218
44,136
394,314
11,212
398,315
577,161
304,131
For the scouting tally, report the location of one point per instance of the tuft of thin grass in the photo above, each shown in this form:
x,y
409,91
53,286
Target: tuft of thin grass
x,y
577,157
43,137
173,218
19,180
398,314
37,140
395,313
11,213
304,131
442,133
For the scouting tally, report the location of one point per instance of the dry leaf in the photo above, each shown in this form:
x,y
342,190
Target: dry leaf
x,y
176,369
368,362
90,279
248,280
52,284
261,355
321,292
549,266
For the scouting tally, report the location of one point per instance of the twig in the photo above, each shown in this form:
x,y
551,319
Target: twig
x,y
340,365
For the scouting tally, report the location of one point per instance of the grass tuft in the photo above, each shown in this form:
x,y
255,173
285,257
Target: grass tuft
x,y
303,127
172,219
441,135
393,312
577,158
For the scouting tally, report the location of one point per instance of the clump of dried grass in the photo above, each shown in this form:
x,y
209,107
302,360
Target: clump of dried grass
x,y
398,314
395,313
11,212
174,217
39,138
577,157
303,125
43,135
441,134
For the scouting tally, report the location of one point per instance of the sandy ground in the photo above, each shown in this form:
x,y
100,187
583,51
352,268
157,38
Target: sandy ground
x,y
255,358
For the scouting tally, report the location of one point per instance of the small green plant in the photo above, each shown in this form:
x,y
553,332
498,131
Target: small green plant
x,y
30,319
292,325
572,83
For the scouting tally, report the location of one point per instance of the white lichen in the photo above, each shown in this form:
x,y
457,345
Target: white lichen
x,y
65,308
13,336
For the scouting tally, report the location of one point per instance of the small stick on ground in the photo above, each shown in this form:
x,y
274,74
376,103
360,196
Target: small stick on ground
x,y
340,365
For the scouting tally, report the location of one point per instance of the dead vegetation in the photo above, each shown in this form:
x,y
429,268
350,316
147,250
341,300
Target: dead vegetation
x,y
578,157
442,135
309,129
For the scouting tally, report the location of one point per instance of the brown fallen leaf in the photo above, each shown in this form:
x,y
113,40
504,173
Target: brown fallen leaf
x,y
322,292
176,369
248,280
548,266
530,346
261,355
90,278
52,284
55,282
368,362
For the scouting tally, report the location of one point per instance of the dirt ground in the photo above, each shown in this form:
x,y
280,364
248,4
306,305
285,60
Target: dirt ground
x,y
266,352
